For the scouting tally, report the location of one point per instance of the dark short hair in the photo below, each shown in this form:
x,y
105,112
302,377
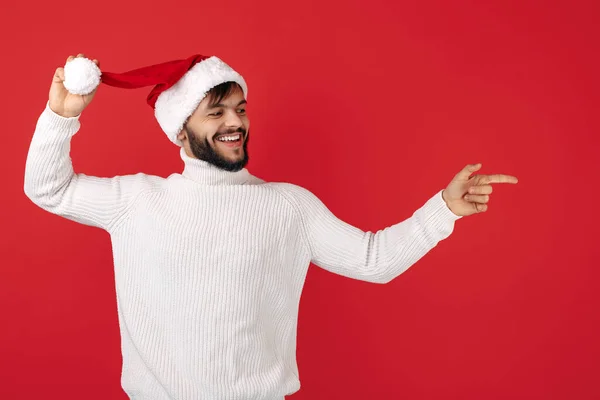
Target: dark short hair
x,y
219,92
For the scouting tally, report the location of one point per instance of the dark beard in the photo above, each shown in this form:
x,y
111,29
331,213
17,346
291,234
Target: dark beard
x,y
204,151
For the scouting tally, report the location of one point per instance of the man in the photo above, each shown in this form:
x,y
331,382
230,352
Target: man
x,y
210,263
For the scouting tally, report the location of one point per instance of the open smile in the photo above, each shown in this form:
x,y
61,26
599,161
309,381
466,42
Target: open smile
x,y
230,140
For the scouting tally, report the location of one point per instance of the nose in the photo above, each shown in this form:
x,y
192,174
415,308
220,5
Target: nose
x,y
233,120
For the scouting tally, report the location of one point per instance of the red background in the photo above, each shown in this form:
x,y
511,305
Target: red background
x,y
374,106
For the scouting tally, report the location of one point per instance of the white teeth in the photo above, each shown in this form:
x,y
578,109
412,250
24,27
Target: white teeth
x,y
228,138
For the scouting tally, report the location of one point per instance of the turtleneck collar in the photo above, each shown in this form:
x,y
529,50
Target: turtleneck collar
x,y
205,173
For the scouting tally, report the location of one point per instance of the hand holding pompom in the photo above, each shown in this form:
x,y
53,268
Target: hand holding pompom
x,y
74,86
467,195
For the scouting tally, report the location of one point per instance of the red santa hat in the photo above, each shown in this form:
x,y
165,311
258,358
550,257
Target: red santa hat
x,y
180,85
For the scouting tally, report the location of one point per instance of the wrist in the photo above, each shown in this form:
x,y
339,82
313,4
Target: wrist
x,y
59,113
447,202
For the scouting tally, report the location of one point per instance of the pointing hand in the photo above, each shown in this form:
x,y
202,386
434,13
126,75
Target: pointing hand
x,y
467,195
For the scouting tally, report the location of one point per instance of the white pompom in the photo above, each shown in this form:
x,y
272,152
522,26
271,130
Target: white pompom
x,y
82,76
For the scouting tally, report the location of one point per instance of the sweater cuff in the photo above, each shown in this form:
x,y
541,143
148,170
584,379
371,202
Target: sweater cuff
x,y
438,214
57,123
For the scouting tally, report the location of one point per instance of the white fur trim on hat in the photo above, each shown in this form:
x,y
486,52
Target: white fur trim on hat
x,y
176,104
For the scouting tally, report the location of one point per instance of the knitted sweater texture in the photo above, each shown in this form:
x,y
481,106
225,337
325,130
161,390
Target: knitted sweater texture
x,y
210,264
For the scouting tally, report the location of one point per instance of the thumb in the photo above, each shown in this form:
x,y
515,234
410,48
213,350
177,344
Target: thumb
x,y
466,172
59,76
57,89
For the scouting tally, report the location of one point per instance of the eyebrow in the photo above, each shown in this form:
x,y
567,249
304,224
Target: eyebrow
x,y
223,105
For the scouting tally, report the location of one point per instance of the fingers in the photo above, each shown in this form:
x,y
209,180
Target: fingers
x,y
477,198
495,178
498,178
71,58
480,207
59,75
468,170
483,189
80,55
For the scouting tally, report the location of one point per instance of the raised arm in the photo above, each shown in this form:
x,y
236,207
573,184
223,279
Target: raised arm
x,y
374,257
50,181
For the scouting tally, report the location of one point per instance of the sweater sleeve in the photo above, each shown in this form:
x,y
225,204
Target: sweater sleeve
x,y
374,257
51,183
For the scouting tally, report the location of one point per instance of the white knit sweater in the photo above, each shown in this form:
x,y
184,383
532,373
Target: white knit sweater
x,y
210,265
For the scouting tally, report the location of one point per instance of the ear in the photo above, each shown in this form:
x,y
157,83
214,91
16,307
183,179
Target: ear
x,y
182,135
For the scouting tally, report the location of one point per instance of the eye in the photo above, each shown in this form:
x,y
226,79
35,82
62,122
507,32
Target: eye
x,y
242,111
216,114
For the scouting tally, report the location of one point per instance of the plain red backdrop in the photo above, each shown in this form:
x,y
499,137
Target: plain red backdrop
x,y
374,106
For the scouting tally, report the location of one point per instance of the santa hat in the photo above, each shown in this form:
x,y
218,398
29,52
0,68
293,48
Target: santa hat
x,y
180,85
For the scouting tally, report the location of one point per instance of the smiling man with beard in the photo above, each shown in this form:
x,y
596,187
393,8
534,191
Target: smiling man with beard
x,y
210,262
227,148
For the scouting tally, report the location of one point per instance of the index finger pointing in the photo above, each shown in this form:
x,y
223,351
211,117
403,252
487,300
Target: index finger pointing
x,y
501,178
